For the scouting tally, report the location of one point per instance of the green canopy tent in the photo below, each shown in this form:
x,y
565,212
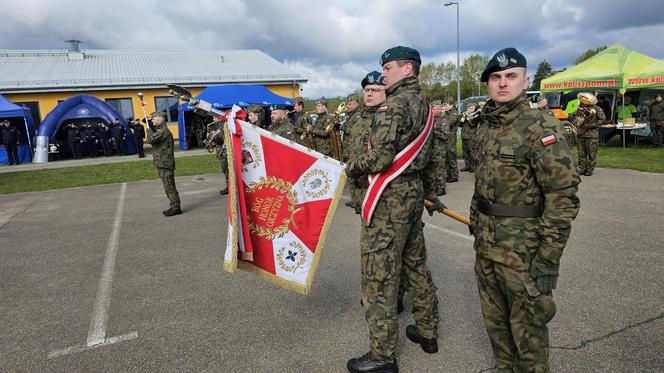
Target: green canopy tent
x,y
615,68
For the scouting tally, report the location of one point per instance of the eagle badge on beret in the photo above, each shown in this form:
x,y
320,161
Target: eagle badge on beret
x,y
502,60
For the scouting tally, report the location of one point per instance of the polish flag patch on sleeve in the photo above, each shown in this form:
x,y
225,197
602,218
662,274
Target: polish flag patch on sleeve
x,y
548,140
382,109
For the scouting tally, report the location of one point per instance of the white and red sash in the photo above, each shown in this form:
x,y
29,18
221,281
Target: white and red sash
x,y
378,182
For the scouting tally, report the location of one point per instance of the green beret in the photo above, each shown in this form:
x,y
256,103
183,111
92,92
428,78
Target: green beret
x,y
400,54
278,107
373,78
322,102
436,103
503,60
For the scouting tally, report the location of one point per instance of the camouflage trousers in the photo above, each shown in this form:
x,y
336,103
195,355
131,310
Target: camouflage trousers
x,y
467,153
393,250
587,147
657,132
451,160
167,177
515,317
223,161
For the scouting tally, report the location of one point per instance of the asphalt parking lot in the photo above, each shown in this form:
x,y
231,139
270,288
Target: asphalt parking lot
x,y
96,279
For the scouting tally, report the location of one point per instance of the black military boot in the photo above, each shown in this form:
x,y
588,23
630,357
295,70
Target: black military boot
x,y
430,346
173,211
369,364
589,173
580,171
350,204
224,191
451,179
441,192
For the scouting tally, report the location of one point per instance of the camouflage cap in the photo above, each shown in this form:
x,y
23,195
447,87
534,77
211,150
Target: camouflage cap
x,y
448,100
352,97
436,103
322,102
159,114
400,53
255,108
504,59
298,99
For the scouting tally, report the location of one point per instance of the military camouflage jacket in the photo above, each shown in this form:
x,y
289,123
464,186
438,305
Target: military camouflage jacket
x,y
450,121
282,128
218,140
515,167
352,121
657,111
441,135
161,140
468,129
322,138
358,136
397,123
591,130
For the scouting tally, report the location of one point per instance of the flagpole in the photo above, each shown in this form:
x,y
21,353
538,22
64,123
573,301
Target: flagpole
x,y
449,213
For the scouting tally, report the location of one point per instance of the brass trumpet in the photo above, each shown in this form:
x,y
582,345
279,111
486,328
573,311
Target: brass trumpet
x,y
306,136
333,130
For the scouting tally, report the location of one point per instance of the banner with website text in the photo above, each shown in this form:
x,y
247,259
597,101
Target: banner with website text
x,y
284,196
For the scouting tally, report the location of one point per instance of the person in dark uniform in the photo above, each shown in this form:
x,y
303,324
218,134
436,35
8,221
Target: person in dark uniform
x,y
10,141
139,135
102,135
90,137
119,136
74,140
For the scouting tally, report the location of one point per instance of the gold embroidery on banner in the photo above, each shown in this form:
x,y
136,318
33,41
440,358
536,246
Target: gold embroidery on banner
x,y
267,208
316,183
298,249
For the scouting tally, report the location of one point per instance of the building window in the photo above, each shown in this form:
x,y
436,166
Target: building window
x,y
169,105
122,106
34,110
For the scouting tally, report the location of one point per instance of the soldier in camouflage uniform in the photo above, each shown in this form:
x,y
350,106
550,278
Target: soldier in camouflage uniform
x,y
215,134
358,133
441,135
299,119
161,139
393,240
352,114
451,120
322,120
521,213
280,125
256,116
657,121
468,130
588,137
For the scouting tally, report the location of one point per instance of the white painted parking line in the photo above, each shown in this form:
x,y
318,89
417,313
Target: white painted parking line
x,y
97,330
79,348
449,231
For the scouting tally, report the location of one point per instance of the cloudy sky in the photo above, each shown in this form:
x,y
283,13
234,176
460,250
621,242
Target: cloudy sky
x,y
335,43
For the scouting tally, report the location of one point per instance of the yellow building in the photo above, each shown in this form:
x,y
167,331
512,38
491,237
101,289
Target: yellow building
x,y
41,79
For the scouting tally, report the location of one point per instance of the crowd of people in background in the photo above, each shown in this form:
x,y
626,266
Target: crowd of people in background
x,y
95,138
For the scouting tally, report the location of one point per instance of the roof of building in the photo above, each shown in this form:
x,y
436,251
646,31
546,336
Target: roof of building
x,y
59,70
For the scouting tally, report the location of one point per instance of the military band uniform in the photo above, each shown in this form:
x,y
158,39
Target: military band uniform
x,y
441,135
358,134
299,127
452,172
587,141
657,122
322,139
521,212
163,158
394,238
351,121
468,133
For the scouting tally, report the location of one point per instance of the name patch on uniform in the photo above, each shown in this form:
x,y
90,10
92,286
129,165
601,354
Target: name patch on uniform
x,y
548,140
382,109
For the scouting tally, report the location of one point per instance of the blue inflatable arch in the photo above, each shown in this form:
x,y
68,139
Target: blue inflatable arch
x,y
77,107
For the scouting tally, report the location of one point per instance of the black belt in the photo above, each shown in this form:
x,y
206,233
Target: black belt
x,y
529,211
407,177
